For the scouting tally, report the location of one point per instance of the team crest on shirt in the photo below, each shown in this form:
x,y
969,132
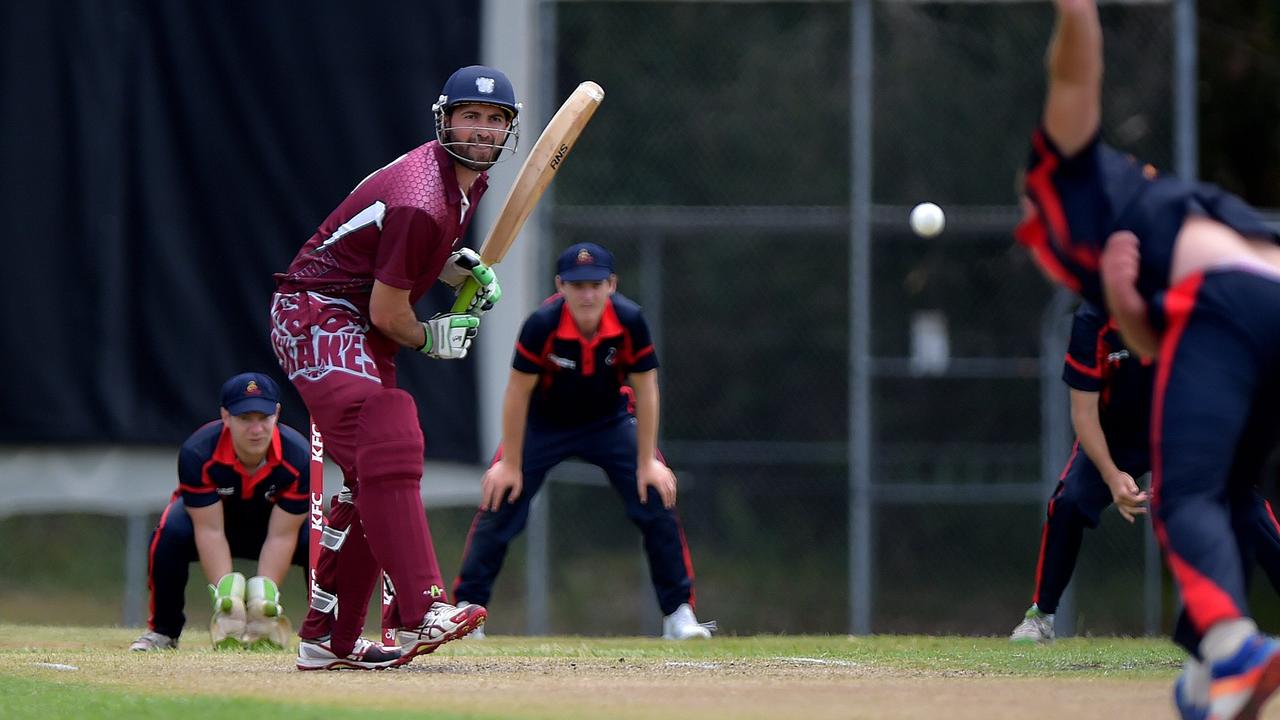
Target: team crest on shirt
x,y
565,363
484,85
611,357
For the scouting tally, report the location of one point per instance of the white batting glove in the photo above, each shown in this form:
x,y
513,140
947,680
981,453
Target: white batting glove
x,y
458,267
475,283
449,335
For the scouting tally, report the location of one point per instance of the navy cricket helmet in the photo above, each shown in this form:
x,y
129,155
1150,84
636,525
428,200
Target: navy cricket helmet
x,y
484,85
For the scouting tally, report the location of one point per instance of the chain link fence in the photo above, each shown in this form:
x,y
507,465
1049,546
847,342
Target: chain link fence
x,y
718,170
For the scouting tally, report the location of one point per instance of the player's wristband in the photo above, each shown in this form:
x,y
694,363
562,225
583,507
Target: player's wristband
x,y
425,347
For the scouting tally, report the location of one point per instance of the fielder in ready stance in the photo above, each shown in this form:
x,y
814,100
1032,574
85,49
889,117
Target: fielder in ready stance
x,y
1110,412
341,312
242,493
1191,276
584,383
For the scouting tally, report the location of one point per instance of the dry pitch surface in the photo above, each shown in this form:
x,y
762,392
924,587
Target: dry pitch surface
x,y
767,677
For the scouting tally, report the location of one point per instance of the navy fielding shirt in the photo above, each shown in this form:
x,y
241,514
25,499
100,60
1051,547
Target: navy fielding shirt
x,y
1097,361
1081,200
209,471
582,381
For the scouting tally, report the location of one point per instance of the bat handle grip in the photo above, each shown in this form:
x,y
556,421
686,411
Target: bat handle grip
x,y
466,294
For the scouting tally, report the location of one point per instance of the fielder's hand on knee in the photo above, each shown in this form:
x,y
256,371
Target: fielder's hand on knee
x,y
1129,499
449,335
501,481
655,474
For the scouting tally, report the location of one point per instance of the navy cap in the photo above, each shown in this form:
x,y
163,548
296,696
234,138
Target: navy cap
x,y
250,392
584,261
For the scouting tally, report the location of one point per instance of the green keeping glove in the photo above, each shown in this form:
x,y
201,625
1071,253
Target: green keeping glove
x,y
262,598
228,590
266,627
227,624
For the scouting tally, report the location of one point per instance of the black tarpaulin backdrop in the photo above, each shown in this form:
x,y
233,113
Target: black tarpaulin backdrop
x,y
160,161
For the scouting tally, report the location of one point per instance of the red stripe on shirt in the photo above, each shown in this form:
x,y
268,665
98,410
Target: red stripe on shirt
x,y
1094,372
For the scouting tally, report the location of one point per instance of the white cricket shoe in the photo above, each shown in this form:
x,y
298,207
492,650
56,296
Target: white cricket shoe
x,y
478,633
683,625
1036,627
443,623
366,655
152,640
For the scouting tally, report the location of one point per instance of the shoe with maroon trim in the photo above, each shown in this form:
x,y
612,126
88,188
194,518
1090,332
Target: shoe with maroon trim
x,y
443,623
316,655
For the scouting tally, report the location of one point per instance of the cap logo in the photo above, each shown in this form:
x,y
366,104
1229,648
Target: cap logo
x,y
584,257
252,388
485,85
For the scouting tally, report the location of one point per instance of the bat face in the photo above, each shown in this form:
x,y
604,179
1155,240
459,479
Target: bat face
x,y
544,160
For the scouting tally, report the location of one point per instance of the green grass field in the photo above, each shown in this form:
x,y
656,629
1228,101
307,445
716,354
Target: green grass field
x,y
87,673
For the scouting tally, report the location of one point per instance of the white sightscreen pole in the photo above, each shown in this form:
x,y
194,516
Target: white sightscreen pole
x,y
511,41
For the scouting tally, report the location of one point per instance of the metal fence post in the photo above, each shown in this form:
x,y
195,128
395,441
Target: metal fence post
x,y
1056,433
135,568
861,536
538,564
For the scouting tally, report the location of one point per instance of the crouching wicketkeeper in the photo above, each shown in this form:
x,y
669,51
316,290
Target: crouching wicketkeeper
x,y
242,493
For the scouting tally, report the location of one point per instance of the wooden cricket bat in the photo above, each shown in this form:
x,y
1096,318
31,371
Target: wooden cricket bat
x,y
546,157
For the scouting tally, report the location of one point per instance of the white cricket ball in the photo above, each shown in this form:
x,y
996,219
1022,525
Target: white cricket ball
x,y
927,219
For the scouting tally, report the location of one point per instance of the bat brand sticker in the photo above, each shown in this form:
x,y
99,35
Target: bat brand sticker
x,y
559,156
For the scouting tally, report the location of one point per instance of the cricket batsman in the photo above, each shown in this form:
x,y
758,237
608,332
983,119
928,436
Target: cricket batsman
x,y
342,311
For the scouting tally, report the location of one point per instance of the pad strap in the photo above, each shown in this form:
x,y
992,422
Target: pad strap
x,y
332,538
325,602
